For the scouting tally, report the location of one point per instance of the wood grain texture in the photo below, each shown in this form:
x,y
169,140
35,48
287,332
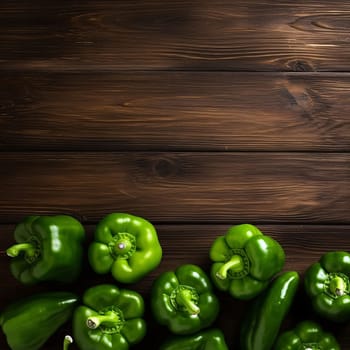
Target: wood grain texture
x,y
192,35
182,244
174,111
196,115
178,187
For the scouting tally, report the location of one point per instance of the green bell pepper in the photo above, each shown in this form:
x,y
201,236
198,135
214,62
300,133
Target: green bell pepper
x,y
111,318
306,335
125,245
244,261
31,321
183,300
263,320
328,286
49,248
211,339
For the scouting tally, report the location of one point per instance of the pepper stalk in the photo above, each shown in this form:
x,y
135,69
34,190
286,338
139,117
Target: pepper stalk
x,y
122,246
28,249
184,298
67,341
337,286
109,318
235,263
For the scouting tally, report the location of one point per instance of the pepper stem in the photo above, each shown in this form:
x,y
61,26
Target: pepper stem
x,y
235,263
111,317
28,248
122,246
310,346
184,298
337,286
67,341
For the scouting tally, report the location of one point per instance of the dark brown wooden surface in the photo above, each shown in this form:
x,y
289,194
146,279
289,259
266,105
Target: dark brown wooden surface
x,y
221,111
196,115
179,187
192,35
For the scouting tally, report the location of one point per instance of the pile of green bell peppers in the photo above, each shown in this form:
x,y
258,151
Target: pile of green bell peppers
x,y
245,263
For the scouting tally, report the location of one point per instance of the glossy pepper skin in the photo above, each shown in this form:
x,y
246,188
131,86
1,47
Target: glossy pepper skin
x,y
244,261
125,245
328,286
183,300
306,335
48,248
30,322
211,339
110,318
262,323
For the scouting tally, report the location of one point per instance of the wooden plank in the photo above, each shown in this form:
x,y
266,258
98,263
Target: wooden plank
x,y
181,187
182,244
236,35
174,111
